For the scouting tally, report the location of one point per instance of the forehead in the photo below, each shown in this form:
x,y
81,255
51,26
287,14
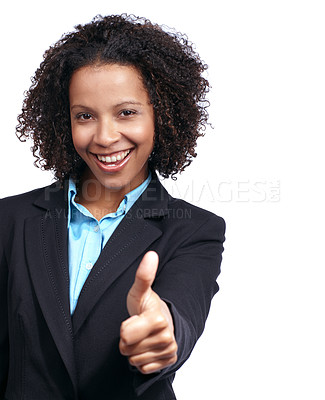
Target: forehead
x,y
111,82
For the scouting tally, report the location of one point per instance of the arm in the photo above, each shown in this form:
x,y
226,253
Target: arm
x,y
187,283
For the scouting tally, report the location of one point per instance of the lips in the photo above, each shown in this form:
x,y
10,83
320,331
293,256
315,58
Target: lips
x,y
113,162
114,157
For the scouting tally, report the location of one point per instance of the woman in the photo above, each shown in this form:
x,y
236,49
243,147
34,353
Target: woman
x,y
106,280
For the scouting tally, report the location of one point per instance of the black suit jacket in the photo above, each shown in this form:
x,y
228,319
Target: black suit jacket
x,y
45,354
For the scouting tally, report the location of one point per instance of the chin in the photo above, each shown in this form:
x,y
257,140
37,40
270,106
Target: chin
x,y
116,184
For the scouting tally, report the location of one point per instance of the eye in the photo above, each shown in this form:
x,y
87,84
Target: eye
x,y
84,116
127,113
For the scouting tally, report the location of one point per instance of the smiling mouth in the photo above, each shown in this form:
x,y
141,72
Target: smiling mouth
x,y
115,159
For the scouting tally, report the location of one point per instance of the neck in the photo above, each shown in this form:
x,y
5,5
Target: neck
x,y
98,199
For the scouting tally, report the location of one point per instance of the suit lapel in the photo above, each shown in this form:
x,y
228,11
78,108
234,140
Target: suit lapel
x,y
46,252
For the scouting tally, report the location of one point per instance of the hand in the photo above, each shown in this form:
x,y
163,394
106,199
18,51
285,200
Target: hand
x,y
147,337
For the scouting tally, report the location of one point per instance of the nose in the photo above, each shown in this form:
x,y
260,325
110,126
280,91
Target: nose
x,y
106,133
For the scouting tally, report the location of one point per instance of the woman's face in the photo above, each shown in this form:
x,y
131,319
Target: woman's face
x,y
112,124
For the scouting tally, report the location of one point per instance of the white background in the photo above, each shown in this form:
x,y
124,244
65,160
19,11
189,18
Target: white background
x,y
261,168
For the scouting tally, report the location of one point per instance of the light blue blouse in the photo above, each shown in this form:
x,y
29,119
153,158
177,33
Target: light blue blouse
x,y
87,236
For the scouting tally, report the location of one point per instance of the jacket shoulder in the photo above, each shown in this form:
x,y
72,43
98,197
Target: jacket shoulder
x,y
21,204
22,198
181,208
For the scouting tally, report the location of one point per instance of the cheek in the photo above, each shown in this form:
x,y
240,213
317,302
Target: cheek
x,y
143,134
80,139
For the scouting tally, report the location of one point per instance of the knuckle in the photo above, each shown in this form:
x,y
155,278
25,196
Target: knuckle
x,y
160,321
124,350
123,340
122,347
173,360
166,337
144,370
123,333
123,326
132,361
174,348
171,350
125,337
136,361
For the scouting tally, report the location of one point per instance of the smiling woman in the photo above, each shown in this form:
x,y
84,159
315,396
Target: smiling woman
x,y
106,280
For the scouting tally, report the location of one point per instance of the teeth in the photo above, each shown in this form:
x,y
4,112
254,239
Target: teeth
x,y
109,159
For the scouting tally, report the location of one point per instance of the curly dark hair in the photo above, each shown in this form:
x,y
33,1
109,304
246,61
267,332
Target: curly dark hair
x,y
171,72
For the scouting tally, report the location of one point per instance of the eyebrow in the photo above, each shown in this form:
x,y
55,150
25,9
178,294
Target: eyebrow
x,y
136,103
116,105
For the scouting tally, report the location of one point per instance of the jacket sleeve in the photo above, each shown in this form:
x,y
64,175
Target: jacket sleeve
x,y
4,339
187,283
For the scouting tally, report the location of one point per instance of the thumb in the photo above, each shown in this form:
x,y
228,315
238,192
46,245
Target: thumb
x,y
141,287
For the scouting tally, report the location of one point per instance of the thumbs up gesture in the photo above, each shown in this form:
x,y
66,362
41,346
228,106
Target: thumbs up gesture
x,y
147,337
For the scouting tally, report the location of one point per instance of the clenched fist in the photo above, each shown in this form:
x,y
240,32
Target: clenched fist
x,y
147,337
